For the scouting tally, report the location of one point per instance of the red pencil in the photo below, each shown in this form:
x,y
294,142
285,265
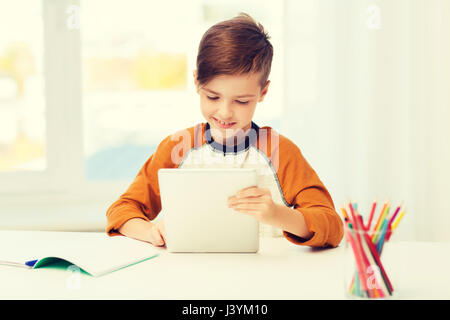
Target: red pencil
x,y
378,261
352,212
359,263
366,257
374,205
357,226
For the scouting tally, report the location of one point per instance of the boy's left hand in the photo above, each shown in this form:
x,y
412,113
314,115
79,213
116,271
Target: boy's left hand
x,y
256,202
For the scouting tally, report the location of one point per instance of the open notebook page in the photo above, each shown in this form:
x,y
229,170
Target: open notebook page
x,y
95,253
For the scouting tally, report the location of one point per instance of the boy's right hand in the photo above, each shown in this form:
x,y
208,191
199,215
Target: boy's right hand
x,y
157,233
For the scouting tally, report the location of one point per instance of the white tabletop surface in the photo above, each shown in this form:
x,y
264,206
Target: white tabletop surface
x,y
280,270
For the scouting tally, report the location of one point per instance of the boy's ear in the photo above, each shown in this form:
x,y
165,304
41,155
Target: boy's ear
x,y
264,91
195,80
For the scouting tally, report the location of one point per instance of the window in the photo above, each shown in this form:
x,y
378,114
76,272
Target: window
x,y
138,61
101,83
22,100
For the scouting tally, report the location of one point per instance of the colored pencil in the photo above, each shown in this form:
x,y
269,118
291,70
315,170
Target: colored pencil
x,y
377,291
354,286
358,226
359,263
376,230
395,224
352,212
371,257
374,205
395,214
367,247
355,227
344,213
382,235
391,228
376,256
381,214
367,262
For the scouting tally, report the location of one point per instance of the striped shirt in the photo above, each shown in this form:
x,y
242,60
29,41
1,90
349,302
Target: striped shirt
x,y
280,165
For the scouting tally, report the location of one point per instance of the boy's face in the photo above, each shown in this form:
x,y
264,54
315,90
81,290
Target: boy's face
x,y
230,99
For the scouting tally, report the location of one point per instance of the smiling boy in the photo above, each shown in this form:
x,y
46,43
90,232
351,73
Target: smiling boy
x,y
233,66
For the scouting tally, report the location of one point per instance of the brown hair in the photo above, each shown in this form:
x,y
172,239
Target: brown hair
x,y
236,46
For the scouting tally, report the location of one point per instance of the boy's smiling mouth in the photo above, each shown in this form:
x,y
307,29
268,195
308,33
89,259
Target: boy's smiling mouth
x,y
223,124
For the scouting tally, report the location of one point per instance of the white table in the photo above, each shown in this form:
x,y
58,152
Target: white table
x,y
280,270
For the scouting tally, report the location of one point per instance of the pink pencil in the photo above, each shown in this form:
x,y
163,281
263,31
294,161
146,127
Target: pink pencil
x,y
374,205
389,233
395,214
359,263
359,225
378,261
368,263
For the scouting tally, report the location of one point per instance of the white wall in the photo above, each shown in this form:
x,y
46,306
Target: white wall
x,y
368,103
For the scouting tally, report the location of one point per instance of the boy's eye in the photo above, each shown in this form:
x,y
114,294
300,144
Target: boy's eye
x,y
238,101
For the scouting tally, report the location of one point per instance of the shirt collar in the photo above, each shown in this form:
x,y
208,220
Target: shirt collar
x,y
250,139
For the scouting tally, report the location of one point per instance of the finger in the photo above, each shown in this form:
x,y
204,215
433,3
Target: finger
x,y
247,206
162,231
252,192
159,226
245,196
248,188
234,199
234,202
157,239
241,192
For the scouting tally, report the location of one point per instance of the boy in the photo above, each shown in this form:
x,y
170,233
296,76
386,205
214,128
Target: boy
x,y
233,66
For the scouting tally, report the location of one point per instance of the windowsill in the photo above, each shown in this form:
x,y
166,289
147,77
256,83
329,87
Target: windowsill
x,y
81,208
51,217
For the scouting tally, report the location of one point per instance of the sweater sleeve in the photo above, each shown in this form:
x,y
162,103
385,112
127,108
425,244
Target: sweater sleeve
x,y
306,193
142,198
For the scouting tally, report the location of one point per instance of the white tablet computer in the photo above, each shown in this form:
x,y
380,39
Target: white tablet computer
x,y
196,213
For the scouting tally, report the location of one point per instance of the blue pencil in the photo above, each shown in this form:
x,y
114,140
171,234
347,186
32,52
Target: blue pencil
x,y
382,236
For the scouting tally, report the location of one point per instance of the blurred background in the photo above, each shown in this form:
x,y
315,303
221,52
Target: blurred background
x,y
89,88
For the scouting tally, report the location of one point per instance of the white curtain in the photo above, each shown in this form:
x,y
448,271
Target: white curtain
x,y
368,102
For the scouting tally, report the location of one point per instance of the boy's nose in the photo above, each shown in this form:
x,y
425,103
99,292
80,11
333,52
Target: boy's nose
x,y
225,112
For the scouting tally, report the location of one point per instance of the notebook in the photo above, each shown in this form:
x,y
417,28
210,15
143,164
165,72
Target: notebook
x,y
94,253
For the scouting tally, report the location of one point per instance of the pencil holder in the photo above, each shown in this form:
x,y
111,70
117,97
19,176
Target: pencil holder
x,y
369,270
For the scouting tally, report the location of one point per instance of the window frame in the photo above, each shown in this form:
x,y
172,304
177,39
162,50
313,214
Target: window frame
x,y
64,178
63,125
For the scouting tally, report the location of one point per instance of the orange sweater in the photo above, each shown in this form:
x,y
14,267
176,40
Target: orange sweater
x,y
281,168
